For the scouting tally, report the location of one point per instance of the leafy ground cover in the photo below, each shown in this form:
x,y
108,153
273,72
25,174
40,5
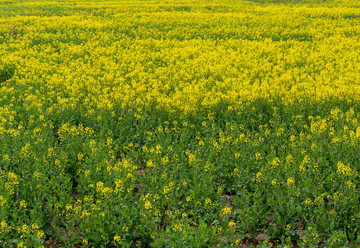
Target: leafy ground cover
x,y
179,123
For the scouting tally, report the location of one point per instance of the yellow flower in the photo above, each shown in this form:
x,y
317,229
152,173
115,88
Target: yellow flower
x,y
117,239
258,156
259,177
25,228
290,182
226,210
2,200
350,184
232,223
147,205
4,227
343,169
40,234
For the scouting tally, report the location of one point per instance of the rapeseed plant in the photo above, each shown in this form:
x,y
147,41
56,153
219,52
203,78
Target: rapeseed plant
x,y
148,124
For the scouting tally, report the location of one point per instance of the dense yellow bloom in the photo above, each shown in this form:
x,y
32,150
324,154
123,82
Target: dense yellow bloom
x,y
127,112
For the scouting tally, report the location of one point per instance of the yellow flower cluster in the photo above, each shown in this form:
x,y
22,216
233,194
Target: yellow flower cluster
x,y
343,169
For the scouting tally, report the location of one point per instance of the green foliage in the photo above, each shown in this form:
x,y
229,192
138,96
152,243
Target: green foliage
x,y
7,71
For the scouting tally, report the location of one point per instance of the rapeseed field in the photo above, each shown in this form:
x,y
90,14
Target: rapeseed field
x,y
179,123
